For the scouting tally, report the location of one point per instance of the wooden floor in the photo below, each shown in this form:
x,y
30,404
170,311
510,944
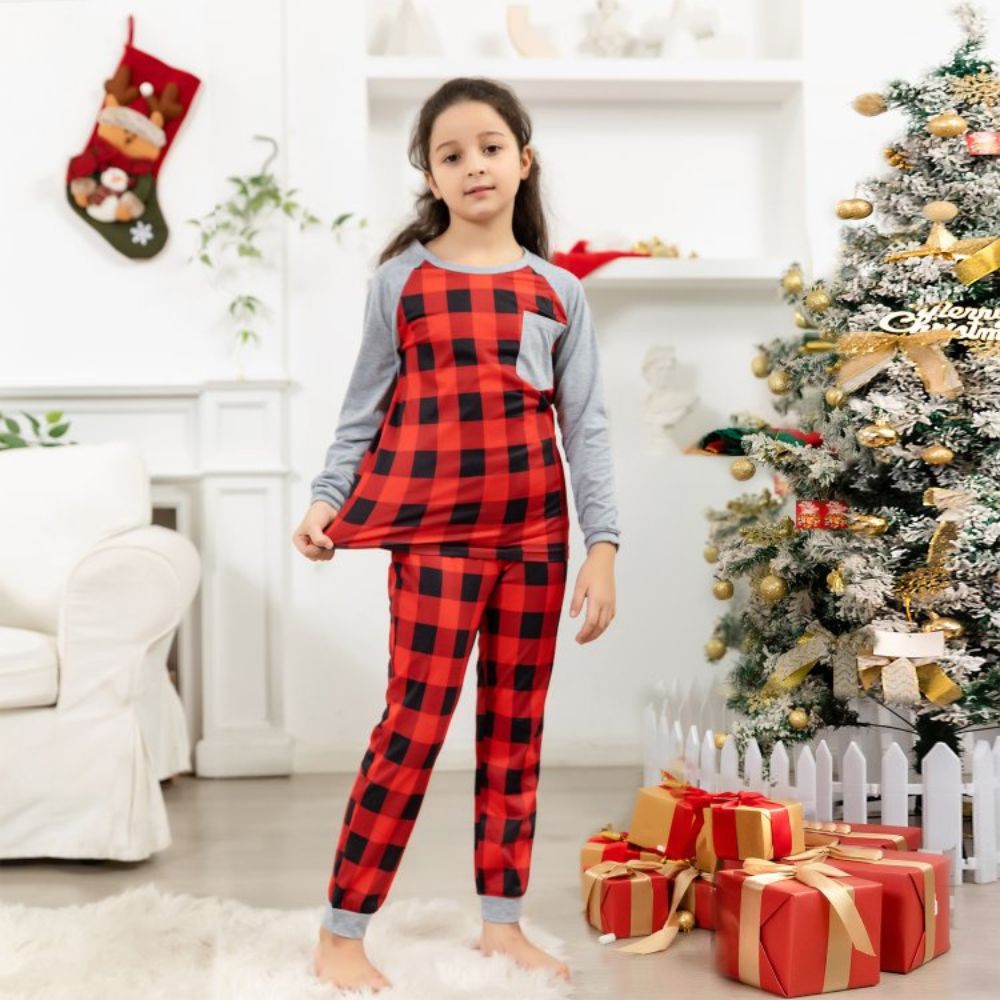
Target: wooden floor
x,y
270,842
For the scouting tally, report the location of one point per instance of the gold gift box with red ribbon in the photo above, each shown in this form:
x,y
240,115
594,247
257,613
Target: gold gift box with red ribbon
x,y
668,817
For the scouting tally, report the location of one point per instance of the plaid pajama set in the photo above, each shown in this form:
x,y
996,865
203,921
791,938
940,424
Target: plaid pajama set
x,y
445,454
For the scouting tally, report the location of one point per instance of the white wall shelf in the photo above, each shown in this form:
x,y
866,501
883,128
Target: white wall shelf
x,y
718,274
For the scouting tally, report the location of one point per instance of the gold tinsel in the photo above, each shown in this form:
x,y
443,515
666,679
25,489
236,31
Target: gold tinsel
x,y
897,158
752,506
769,534
926,581
976,88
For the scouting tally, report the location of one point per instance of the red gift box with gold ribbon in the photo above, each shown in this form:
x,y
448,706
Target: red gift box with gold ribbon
x,y
887,838
797,929
750,825
613,845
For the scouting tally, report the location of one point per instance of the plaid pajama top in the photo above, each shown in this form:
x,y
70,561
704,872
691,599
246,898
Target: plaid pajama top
x,y
446,440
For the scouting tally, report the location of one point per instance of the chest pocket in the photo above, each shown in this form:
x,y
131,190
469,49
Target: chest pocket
x,y
534,354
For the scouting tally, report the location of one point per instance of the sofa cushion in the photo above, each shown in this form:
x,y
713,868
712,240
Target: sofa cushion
x,y
29,668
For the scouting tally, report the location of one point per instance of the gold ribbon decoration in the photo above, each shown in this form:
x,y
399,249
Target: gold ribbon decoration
x,y
926,581
980,263
819,644
846,928
905,678
869,351
829,834
953,504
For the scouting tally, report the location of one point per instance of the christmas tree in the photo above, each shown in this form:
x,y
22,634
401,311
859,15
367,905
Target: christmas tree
x,y
872,568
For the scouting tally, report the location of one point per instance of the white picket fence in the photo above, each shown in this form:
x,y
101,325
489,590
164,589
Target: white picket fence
x,y
682,729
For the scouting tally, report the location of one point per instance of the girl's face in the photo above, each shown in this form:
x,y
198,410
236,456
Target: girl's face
x,y
472,147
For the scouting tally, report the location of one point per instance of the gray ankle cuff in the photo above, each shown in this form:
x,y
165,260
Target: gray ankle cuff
x,y
501,909
346,923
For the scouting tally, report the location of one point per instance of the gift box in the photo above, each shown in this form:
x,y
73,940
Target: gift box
x,y
700,900
667,818
749,825
887,838
800,929
626,898
613,845
915,899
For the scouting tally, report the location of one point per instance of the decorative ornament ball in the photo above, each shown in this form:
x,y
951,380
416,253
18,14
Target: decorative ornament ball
x,y
937,454
715,648
940,211
819,300
779,381
952,627
947,125
835,581
854,208
685,921
720,740
869,104
798,718
802,321
711,553
723,589
772,588
834,396
760,365
146,88
877,435
868,524
742,469
791,281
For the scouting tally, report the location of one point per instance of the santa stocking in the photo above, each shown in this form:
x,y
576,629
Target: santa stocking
x,y
111,185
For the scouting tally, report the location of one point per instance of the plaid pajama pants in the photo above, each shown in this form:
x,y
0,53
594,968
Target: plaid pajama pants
x,y
437,605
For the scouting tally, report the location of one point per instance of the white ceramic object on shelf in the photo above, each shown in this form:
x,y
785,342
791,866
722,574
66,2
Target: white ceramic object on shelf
x,y
412,33
524,37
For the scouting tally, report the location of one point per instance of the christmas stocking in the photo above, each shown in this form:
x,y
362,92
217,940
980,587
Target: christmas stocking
x,y
111,185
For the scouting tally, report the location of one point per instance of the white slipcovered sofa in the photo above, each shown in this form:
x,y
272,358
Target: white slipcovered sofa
x,y
91,593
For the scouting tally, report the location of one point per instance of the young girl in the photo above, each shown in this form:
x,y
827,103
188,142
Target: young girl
x,y
445,454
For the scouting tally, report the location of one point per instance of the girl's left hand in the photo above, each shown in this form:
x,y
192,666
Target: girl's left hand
x,y
596,583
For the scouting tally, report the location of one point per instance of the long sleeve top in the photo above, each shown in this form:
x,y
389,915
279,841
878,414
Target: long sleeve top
x,y
445,440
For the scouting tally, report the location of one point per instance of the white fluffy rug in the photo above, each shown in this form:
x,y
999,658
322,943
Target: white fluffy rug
x,y
153,944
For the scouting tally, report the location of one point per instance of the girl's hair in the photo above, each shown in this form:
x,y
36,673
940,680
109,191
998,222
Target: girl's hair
x,y
432,216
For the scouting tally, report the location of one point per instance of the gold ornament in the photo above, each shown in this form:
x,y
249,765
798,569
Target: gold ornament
x,y
685,921
897,158
818,300
817,345
711,553
779,381
834,396
854,208
742,469
723,589
947,125
772,588
877,435
760,365
715,648
869,104
802,321
867,524
791,280
835,581
798,718
976,88
952,627
940,211
937,454
720,740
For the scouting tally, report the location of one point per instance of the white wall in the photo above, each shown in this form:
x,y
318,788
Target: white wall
x,y
73,310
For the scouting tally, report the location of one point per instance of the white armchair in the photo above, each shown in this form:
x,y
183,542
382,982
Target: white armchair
x,y
91,594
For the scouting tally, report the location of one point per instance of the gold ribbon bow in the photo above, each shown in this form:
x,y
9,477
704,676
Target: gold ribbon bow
x,y
869,351
981,253
980,263
904,678
846,928
819,644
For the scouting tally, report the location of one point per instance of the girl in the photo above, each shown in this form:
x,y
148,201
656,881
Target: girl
x,y
445,454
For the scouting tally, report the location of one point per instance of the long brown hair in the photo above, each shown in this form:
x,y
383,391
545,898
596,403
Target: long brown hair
x,y
432,217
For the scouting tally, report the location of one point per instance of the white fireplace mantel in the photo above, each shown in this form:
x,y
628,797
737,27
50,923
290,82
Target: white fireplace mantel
x,y
216,450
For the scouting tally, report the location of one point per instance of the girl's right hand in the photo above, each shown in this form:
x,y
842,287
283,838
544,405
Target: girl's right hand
x,y
309,538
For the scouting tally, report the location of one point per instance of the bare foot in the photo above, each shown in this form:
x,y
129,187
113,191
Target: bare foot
x,y
509,939
342,961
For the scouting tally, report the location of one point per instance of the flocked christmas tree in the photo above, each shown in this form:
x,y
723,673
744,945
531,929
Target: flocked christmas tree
x,y
873,569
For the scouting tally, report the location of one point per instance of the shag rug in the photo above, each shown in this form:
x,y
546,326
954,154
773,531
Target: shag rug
x,y
153,944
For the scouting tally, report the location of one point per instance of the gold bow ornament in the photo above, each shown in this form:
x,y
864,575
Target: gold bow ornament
x,y
906,664
867,352
974,258
818,644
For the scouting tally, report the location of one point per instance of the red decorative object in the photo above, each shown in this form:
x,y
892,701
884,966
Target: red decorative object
x,y
582,261
816,514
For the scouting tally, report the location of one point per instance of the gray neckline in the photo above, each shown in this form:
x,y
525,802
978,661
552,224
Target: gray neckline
x,y
448,265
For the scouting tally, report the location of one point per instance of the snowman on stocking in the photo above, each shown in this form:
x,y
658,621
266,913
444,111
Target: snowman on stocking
x,y
111,185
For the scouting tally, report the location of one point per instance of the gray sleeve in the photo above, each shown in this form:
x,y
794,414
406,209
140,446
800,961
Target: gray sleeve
x,y
583,421
367,397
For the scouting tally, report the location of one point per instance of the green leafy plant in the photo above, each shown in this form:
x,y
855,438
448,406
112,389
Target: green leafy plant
x,y
233,226
47,432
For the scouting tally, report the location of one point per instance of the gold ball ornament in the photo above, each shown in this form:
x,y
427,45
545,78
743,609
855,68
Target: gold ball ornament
x,y
786,527
940,211
877,435
779,381
952,627
723,589
819,300
772,588
869,104
720,740
834,396
802,321
760,365
947,125
798,718
715,648
854,208
835,581
868,524
685,921
937,454
791,281
711,553
742,469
